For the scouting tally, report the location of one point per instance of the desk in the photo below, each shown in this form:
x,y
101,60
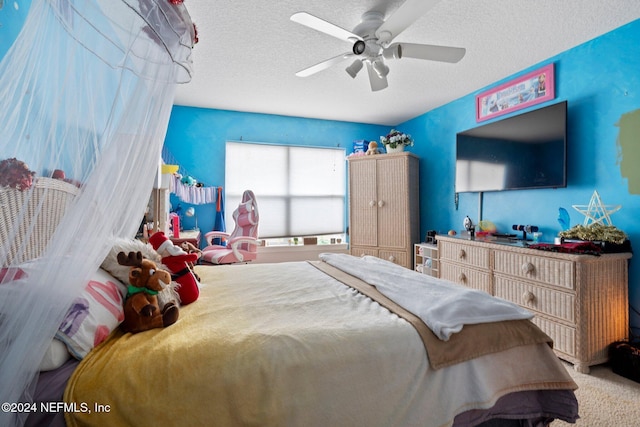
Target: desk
x,y
191,236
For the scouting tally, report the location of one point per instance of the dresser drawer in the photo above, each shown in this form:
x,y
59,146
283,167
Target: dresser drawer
x,y
555,272
396,257
551,302
465,276
465,254
564,337
360,251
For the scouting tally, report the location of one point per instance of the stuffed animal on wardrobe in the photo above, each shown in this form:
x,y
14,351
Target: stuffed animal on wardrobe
x,y
373,149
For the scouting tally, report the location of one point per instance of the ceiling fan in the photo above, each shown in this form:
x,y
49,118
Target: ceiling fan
x,y
371,42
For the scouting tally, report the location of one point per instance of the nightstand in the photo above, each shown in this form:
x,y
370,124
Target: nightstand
x,y
191,236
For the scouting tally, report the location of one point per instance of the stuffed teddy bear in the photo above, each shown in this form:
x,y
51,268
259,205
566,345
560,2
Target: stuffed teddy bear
x,y
176,260
190,248
141,309
373,149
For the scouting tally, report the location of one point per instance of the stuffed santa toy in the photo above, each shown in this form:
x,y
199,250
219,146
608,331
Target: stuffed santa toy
x,y
177,261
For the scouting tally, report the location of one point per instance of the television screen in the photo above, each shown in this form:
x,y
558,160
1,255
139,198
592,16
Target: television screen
x,y
520,152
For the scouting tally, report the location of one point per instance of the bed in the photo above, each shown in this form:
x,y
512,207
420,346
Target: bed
x,y
300,343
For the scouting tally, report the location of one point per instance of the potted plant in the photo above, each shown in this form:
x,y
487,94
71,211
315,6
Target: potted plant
x,y
395,141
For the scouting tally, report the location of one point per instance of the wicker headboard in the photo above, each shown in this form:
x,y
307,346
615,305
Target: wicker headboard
x,y
46,203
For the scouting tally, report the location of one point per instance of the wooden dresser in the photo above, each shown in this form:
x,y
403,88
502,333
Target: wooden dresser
x,y
580,301
384,209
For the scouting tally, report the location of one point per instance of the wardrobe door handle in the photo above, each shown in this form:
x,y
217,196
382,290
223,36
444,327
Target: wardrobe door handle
x,y
380,203
372,203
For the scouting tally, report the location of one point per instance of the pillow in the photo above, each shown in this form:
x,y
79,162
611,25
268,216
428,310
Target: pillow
x,y
96,312
55,356
121,272
11,274
56,353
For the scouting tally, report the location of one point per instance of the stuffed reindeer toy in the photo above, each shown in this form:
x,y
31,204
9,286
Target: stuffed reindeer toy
x,y
141,310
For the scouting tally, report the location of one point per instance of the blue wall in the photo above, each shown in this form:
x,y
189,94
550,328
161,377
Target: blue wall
x,y
197,136
12,16
600,80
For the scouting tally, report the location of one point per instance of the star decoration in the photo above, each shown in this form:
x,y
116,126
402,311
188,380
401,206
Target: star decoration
x,y
596,212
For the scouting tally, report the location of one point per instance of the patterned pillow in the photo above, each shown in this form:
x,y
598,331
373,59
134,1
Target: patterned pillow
x,y
93,315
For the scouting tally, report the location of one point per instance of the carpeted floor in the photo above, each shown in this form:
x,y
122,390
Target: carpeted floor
x,y
605,399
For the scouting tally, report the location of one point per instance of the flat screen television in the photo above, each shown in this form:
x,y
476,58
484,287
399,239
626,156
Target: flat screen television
x,y
520,152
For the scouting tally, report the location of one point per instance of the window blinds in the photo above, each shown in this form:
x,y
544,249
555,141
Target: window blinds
x,y
300,190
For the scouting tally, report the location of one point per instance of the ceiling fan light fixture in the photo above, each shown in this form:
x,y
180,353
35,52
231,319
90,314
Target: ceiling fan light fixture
x,y
380,68
394,51
354,68
359,47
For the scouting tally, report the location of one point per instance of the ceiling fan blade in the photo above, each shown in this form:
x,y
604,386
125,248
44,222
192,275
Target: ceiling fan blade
x,y
324,65
404,16
425,51
377,82
323,26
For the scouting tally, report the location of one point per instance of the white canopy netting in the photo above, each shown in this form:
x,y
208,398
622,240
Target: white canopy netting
x,y
86,90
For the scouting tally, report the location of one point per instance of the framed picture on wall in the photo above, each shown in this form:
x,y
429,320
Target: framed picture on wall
x,y
527,90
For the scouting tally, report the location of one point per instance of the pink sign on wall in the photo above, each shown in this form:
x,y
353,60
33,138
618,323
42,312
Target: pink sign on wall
x,y
527,90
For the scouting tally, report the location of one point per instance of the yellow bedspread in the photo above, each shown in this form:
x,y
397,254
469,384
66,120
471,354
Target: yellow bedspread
x,y
313,352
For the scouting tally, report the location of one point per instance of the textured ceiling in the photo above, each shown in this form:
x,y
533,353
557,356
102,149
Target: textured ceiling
x,y
249,52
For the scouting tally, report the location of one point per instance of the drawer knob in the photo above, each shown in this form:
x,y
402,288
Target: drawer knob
x,y
380,203
528,297
462,278
462,254
372,204
528,268
392,258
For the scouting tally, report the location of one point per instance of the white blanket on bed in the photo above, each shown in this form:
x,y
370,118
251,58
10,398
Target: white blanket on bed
x,y
443,306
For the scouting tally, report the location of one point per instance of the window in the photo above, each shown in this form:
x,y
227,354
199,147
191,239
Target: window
x,y
300,190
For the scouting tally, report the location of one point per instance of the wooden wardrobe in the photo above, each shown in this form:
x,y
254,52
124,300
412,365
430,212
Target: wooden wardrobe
x,y
384,208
